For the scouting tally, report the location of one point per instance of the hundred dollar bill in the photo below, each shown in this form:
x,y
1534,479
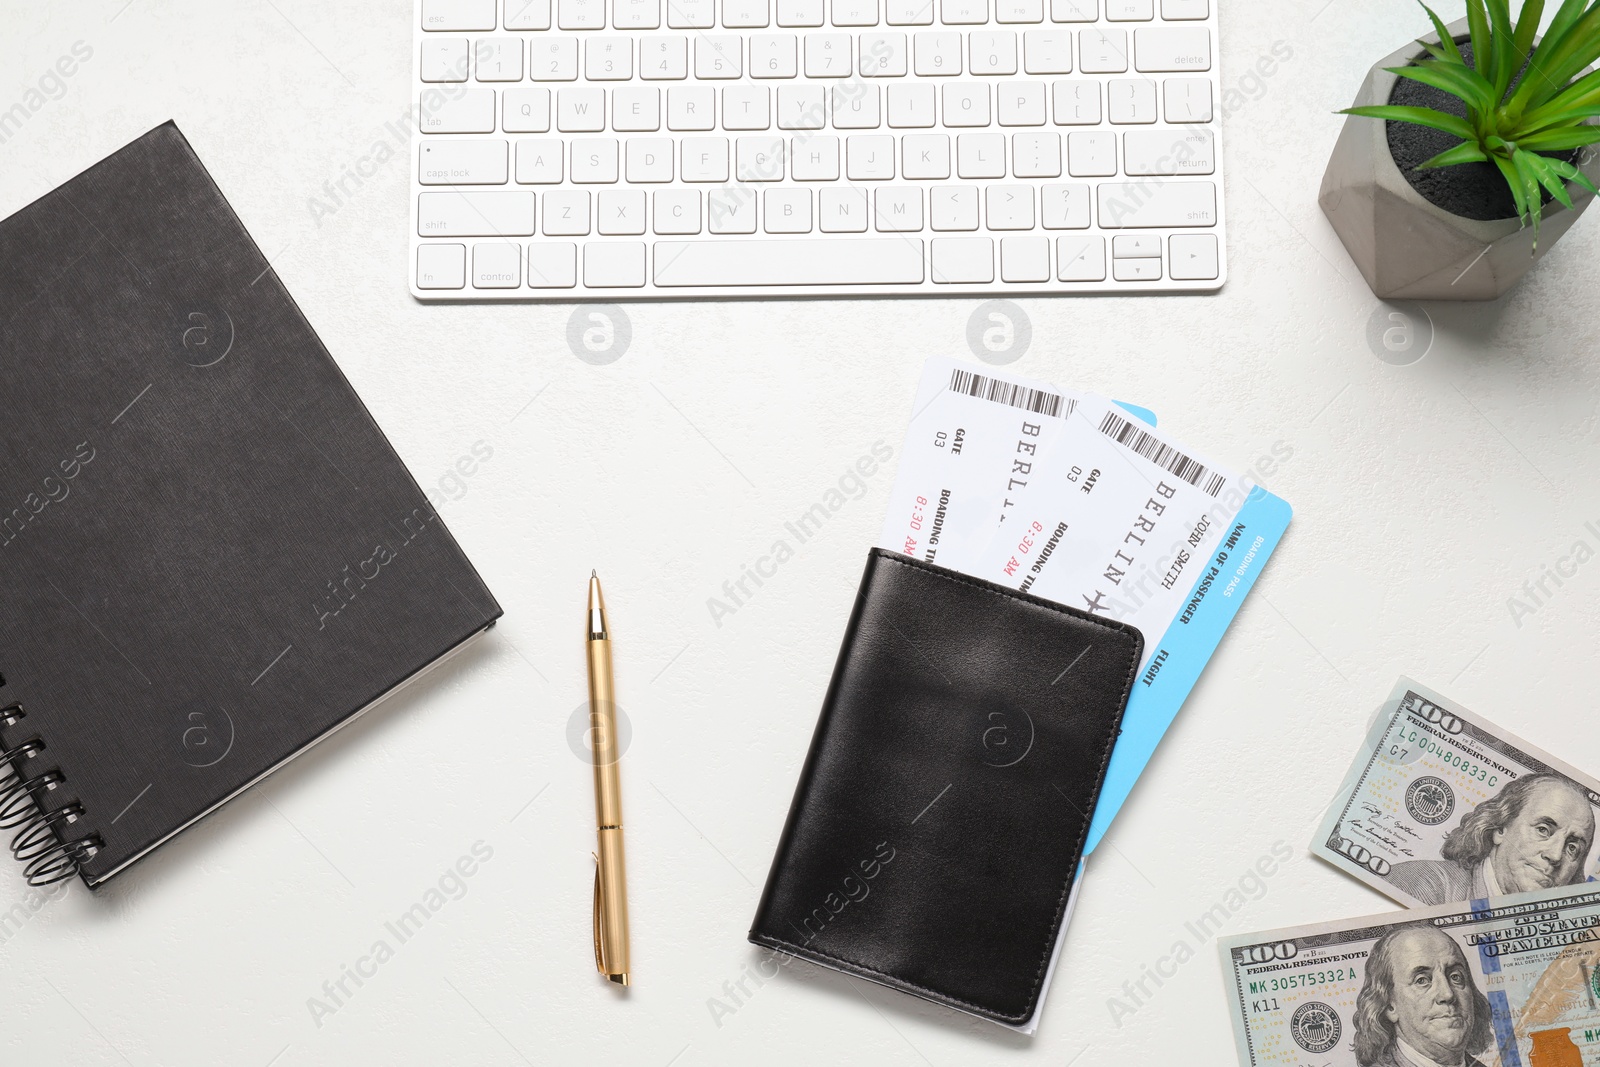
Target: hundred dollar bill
x,y
1513,982
1443,806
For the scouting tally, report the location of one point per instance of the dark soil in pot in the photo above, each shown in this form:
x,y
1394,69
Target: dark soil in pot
x,y
1470,190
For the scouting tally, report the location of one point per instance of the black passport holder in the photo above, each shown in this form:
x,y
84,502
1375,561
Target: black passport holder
x,y
939,820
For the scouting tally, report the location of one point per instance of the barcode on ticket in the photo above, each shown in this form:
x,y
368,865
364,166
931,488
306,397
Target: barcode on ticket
x,y
1018,396
1162,455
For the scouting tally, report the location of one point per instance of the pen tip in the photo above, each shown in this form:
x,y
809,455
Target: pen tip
x,y
594,574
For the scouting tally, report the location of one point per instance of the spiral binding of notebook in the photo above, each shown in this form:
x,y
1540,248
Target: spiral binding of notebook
x,y
44,841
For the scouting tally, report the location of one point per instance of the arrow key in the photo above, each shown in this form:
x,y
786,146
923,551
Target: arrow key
x,y
1192,257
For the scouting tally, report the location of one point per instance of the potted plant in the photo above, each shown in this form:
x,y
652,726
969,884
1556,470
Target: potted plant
x,y
1480,157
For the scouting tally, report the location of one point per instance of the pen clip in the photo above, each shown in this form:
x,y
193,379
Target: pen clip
x,y
599,961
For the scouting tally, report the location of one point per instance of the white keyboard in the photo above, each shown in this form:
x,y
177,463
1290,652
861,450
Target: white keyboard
x,y
641,149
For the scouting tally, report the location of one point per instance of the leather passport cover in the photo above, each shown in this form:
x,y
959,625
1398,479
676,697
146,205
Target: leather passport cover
x,y
940,816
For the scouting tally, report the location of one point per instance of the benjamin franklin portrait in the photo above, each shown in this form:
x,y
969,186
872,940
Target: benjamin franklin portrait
x,y
1419,1006
1535,833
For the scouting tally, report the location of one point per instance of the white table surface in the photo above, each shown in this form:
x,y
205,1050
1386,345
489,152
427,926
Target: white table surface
x,y
1426,494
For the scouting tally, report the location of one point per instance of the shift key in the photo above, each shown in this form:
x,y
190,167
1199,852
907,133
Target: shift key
x,y
462,163
1136,205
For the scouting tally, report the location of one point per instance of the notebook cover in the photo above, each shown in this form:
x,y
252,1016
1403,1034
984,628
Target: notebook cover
x,y
210,556
936,831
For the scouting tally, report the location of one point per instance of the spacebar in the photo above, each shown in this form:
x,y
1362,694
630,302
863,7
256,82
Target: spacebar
x,y
871,261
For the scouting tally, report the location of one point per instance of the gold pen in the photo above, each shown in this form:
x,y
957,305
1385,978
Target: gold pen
x,y
610,875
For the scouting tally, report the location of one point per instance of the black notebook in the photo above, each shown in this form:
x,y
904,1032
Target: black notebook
x,y
935,835
210,556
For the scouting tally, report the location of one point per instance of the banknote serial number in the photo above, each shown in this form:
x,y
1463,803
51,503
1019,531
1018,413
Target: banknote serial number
x,y
1303,980
1428,746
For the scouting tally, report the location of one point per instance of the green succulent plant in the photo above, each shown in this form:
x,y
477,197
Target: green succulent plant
x,y
1514,128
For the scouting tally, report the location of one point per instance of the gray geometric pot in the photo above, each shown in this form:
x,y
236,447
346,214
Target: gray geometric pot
x,y
1409,248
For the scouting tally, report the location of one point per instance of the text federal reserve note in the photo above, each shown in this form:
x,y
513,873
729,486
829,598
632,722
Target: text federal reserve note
x,y
1442,806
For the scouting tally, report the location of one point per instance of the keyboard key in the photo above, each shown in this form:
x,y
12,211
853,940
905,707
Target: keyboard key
x,y
1036,155
462,163
827,55
499,59
691,107
444,59
718,56
958,260
911,105
664,58
527,14
773,55
1175,10
608,58
441,266
937,54
705,159
855,107
552,265
473,214
1161,48
621,211
925,156
815,159
649,159
855,12
1092,154
908,12
992,51
1009,207
1064,207
677,211
566,212
800,12
691,14
553,59
594,160
496,265
731,209
581,110
817,261
1018,11
632,14
525,110
1102,51
1025,259
1047,52
843,211
953,207
966,104
1074,10
1077,102
899,209
746,14
636,109
539,161
1149,204
1021,103
470,112
458,15
963,12
1187,99
869,157
1136,246
759,159
883,55
1081,259
802,107
746,107
1169,150
581,14
1131,100
788,210
981,155
1130,10
614,264
1136,270
1193,256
